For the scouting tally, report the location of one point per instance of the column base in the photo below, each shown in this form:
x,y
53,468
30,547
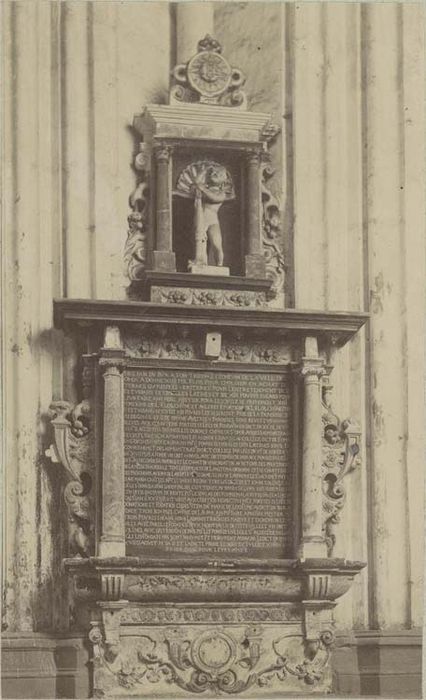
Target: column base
x,y
312,548
255,266
163,260
110,548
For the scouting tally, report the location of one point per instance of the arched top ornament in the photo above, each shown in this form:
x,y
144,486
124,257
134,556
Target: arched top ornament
x,y
208,78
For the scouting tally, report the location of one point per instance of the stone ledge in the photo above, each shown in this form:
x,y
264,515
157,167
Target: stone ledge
x,y
384,664
43,665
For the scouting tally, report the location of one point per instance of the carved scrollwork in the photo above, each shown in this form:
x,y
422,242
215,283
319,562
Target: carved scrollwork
x,y
340,450
271,225
208,78
135,252
216,660
310,669
72,448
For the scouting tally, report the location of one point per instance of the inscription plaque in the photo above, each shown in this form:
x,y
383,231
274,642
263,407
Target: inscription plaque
x,y
207,463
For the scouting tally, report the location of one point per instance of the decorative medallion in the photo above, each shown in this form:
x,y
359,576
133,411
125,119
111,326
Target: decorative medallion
x,y
209,73
214,651
208,78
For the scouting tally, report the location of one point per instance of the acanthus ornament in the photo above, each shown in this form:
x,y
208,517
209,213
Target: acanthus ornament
x,y
272,232
340,450
135,252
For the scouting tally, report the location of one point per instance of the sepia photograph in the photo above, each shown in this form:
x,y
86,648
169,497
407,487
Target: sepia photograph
x,y
212,349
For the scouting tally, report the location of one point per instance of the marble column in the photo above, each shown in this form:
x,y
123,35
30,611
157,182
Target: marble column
x,y
254,260
312,543
112,540
193,21
163,255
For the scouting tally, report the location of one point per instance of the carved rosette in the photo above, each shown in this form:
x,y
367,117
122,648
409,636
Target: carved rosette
x,y
272,233
72,447
208,78
217,659
340,456
135,252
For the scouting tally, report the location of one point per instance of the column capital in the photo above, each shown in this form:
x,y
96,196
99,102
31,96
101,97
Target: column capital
x,y
311,367
253,157
112,365
162,152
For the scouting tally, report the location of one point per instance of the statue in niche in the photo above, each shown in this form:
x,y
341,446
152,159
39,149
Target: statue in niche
x,y
209,184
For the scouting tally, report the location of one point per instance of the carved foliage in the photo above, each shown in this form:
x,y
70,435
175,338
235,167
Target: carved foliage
x,y
271,225
208,297
340,450
135,251
216,660
183,345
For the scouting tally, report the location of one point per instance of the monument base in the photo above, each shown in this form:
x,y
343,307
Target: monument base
x,y
212,270
201,288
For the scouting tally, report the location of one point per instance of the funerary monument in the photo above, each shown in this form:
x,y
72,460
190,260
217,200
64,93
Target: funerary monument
x,y
204,467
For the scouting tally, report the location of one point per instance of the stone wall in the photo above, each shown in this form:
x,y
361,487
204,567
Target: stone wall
x,y
88,67
345,80
352,105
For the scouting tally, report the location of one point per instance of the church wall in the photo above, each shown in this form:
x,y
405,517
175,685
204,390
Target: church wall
x,y
344,81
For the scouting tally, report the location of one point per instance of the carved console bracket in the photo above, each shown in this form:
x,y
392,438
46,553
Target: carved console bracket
x,y
72,448
340,456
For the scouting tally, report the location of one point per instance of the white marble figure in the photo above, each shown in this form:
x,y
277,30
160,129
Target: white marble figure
x,y
210,185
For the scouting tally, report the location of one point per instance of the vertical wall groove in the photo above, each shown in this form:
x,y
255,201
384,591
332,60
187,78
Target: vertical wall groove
x,y
370,465
403,308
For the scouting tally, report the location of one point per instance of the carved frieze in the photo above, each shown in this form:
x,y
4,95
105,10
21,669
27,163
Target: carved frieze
x,y
184,345
208,297
340,456
216,659
145,615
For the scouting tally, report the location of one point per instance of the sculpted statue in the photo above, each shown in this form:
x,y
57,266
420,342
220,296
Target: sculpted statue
x,y
209,184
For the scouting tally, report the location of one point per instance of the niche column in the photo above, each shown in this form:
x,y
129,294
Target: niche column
x,y
255,265
163,255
